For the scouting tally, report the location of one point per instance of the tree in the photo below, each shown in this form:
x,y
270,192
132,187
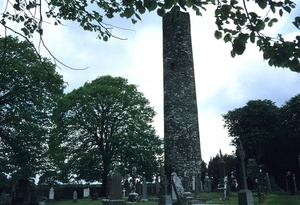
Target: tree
x,y
289,141
236,22
29,90
103,124
254,124
269,134
213,168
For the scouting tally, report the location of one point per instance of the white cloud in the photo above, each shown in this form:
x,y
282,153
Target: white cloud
x,y
222,83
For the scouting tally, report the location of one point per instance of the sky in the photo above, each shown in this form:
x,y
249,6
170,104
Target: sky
x,y
222,83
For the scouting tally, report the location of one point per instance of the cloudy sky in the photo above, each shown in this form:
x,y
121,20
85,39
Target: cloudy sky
x,y
222,83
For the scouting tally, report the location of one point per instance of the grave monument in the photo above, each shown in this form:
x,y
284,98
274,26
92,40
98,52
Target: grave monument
x,y
181,129
114,189
244,195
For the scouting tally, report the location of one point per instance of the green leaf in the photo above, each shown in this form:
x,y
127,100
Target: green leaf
x,y
280,12
168,4
262,3
176,13
150,5
260,25
189,3
161,12
227,38
252,37
128,12
238,47
232,53
218,34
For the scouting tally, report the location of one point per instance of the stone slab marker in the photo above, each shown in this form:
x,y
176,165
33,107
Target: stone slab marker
x,y
181,129
244,195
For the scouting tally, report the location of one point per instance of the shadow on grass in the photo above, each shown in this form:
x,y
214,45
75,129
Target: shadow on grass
x,y
275,198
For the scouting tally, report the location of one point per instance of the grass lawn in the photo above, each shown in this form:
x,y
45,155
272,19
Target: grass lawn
x,y
275,198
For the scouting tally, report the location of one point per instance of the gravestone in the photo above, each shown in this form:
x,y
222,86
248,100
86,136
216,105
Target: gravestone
x,y
156,186
133,196
269,190
42,203
207,183
144,190
164,198
127,188
114,189
179,190
197,187
221,168
51,194
181,127
3,197
74,196
86,192
123,192
186,182
244,195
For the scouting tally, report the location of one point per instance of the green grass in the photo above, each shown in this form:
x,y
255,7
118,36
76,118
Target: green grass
x,y
275,198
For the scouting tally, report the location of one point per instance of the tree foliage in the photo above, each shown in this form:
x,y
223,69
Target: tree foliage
x,y
238,22
254,124
270,134
29,90
103,124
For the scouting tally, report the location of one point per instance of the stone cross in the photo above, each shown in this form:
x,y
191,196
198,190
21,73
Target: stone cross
x,y
244,195
241,156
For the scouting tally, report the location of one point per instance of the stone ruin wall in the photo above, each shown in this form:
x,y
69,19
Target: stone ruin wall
x,y
181,129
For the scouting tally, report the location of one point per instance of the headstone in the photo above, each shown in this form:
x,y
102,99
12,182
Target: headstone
x,y
127,188
197,186
3,197
186,182
181,127
164,198
74,196
173,194
114,189
156,186
221,168
133,195
86,192
144,190
201,185
269,190
244,195
51,194
42,203
179,190
123,192
207,184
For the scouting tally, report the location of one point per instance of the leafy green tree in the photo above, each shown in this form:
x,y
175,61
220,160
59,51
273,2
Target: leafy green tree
x,y
254,124
289,140
213,168
29,90
103,124
269,134
238,22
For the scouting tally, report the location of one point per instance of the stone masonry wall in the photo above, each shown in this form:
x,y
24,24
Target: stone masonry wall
x,y
181,129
